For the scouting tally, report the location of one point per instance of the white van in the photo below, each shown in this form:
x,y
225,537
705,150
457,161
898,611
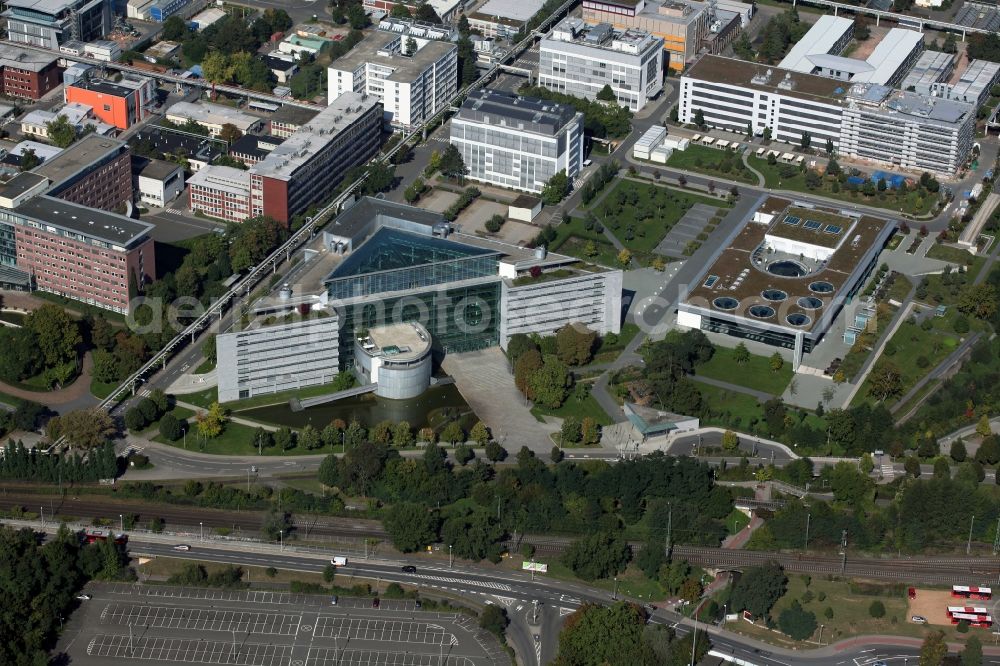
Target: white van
x,y
339,561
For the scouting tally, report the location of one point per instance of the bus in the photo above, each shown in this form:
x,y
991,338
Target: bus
x,y
973,620
92,536
968,610
966,592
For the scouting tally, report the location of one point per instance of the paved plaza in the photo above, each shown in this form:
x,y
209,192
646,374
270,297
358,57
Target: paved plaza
x,y
164,624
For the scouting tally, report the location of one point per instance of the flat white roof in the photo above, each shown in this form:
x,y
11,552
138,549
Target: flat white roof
x,y
519,10
820,39
890,54
222,178
213,114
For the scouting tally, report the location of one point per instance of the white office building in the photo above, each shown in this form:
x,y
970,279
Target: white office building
x,y
517,142
413,76
580,59
863,120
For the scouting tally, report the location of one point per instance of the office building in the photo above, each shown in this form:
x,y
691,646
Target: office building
x,y
682,25
159,182
907,130
220,191
197,150
387,283
580,59
282,65
409,27
412,86
208,17
445,9
889,127
49,23
253,148
103,50
306,167
818,52
27,74
121,103
931,67
213,117
36,122
788,272
503,18
161,10
289,119
71,250
96,172
517,142
973,85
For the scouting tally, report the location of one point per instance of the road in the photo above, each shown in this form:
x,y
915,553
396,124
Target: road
x,y
512,589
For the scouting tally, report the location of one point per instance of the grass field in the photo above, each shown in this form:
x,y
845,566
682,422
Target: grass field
x,y
574,406
572,238
641,214
236,439
955,255
793,179
712,162
755,373
729,408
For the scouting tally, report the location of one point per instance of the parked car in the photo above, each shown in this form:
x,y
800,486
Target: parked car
x,y
912,593
333,600
84,597
182,546
918,619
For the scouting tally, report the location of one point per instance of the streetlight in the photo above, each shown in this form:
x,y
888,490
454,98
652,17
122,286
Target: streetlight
x,y
614,591
121,518
281,540
202,526
184,431
451,561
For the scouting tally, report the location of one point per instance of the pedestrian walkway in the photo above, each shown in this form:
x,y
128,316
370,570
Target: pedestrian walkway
x,y
77,392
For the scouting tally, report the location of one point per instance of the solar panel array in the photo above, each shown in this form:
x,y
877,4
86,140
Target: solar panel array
x,y
792,220
832,229
812,225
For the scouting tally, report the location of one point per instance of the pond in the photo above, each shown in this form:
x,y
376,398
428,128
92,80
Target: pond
x,y
434,408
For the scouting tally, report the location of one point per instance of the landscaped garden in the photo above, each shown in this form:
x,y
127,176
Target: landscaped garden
x,y
726,164
916,200
738,366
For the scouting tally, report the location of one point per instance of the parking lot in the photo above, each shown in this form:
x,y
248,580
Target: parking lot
x,y
157,624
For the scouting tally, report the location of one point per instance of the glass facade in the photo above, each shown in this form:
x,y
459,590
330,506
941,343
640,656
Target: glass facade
x,y
393,260
459,320
8,247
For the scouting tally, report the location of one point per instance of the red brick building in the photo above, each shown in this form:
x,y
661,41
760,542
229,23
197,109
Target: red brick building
x,y
27,74
82,253
96,171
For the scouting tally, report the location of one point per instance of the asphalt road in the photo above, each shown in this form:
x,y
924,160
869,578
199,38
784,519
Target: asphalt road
x,y
511,588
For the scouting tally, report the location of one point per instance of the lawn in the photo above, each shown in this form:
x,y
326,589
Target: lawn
x,y
641,214
790,177
100,389
577,406
206,366
631,583
851,615
609,352
755,373
729,409
736,521
236,439
916,352
712,162
181,413
900,288
955,255
574,239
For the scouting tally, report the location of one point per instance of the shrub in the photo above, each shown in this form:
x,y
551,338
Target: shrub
x,y
876,609
171,428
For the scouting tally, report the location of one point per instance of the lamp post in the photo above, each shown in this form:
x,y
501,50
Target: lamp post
x,y
451,561
202,526
121,519
614,591
281,540
184,431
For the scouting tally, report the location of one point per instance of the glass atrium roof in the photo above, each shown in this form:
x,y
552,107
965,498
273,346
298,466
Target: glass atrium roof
x,y
391,249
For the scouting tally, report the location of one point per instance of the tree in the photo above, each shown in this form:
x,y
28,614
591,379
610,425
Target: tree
x,y
934,649
829,148
805,141
411,46
61,131
556,455
575,344
556,189
411,526
453,433
29,160
758,589
833,167
87,428
210,423
310,438
776,362
730,441
381,177
570,431
741,355
958,452
599,555
606,94
174,29
400,10
171,427
849,485
495,452
979,300
357,18
797,622
699,119
463,454
624,257
494,620
912,466
983,427
215,67
58,334
988,452
886,381
876,609
230,133
480,434
134,420
402,434
451,164
972,655
284,438
615,634
550,383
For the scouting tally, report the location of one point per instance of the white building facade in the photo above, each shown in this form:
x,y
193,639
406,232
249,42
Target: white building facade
x,y
517,142
580,59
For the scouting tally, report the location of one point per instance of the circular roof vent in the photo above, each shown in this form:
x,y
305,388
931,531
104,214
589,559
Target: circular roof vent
x,y
761,311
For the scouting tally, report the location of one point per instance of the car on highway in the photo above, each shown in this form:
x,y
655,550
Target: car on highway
x,y
918,619
409,568
182,546
375,602
84,597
